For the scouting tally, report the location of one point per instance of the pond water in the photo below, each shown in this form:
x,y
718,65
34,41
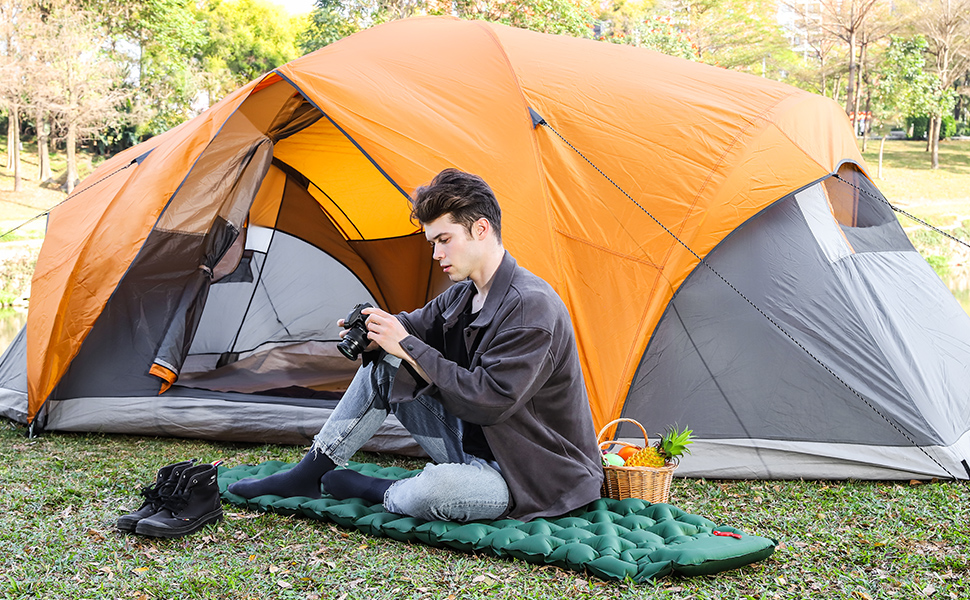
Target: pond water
x,y
12,320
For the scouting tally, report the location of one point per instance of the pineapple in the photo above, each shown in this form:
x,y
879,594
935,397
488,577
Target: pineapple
x,y
666,452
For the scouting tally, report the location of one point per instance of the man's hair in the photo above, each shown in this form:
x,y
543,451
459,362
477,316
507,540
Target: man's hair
x,y
466,197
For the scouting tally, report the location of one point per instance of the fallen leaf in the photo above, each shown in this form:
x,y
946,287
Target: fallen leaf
x,y
141,569
929,590
915,482
284,584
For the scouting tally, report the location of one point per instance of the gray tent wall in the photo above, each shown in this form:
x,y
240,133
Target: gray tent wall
x,y
855,296
13,379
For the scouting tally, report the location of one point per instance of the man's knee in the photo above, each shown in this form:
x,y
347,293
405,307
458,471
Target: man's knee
x,y
451,492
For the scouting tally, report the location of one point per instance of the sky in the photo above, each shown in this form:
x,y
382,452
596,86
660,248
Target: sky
x,y
296,7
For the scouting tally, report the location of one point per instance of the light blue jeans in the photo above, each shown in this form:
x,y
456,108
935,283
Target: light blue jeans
x,y
460,487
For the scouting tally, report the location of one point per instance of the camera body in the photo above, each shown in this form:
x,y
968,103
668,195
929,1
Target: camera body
x,y
356,339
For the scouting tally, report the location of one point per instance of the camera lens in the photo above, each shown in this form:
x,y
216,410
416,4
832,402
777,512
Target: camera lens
x,y
353,343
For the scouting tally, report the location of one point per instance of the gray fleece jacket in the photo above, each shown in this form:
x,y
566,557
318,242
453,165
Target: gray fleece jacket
x,y
524,386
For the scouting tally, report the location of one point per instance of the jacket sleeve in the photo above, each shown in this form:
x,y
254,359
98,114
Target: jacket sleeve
x,y
512,369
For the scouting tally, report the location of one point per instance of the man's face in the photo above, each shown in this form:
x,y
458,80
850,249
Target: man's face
x,y
459,252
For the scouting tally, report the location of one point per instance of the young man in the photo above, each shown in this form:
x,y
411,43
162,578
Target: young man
x,y
486,378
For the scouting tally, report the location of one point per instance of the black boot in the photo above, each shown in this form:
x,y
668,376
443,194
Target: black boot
x,y
194,504
155,494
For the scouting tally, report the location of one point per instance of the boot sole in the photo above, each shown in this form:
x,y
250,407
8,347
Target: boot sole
x,y
128,525
164,530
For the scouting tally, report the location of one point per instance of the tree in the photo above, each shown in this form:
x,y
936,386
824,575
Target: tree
x,y
333,19
743,35
946,26
326,25
157,42
847,21
81,89
244,39
13,78
904,85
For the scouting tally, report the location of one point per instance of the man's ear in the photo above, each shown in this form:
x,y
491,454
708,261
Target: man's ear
x,y
481,228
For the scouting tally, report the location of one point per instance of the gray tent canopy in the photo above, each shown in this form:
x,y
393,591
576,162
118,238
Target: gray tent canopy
x,y
856,369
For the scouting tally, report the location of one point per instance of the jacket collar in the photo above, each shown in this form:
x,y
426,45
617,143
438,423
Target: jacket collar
x,y
502,279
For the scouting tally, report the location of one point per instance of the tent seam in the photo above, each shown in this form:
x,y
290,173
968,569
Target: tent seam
x,y
526,117
580,240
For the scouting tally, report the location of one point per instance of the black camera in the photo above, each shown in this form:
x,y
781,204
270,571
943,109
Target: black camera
x,y
356,339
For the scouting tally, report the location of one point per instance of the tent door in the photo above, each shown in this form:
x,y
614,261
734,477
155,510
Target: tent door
x,y
220,238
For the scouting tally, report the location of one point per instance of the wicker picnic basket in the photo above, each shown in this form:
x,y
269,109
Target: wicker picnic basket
x,y
647,483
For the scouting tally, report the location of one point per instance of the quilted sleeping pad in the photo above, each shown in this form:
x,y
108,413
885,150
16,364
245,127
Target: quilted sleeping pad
x,y
611,539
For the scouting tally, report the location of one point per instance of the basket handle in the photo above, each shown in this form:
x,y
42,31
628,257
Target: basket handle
x,y
607,443
600,441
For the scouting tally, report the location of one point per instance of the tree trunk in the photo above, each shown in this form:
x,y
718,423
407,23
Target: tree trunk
x,y
935,142
43,153
10,137
868,122
850,82
71,156
882,145
18,183
860,73
14,117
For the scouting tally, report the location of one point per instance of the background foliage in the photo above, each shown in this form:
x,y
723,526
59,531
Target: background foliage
x,y
110,74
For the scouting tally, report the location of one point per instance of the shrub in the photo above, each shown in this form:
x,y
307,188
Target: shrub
x,y
920,125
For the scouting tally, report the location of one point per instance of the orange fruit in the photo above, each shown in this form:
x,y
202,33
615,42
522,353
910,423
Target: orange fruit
x,y
627,451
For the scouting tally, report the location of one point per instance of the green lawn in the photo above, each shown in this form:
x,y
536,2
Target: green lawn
x,y
61,494
941,196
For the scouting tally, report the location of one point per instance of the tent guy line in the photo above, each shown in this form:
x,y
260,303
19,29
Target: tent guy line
x,y
71,196
741,294
903,212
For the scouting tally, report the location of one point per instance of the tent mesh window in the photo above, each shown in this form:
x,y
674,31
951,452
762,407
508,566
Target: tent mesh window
x,y
864,215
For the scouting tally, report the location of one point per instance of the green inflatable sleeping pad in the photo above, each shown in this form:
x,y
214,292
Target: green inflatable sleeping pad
x,y
611,539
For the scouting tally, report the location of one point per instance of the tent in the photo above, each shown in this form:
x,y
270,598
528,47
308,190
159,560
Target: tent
x,y
727,263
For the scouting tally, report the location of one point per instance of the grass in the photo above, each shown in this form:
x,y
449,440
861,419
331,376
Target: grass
x,y
61,494
939,196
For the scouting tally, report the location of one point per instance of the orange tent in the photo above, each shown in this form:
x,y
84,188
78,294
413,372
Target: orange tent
x,y
617,169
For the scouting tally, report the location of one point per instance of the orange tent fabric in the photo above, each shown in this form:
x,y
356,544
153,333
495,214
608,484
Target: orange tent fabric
x,y
639,148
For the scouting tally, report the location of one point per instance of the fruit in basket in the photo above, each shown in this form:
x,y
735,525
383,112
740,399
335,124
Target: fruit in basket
x,y
672,445
627,451
614,460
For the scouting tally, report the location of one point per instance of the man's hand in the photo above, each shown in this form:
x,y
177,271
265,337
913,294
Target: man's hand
x,y
371,345
384,329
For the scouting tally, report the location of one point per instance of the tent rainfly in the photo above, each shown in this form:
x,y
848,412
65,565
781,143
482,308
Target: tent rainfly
x,y
728,264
